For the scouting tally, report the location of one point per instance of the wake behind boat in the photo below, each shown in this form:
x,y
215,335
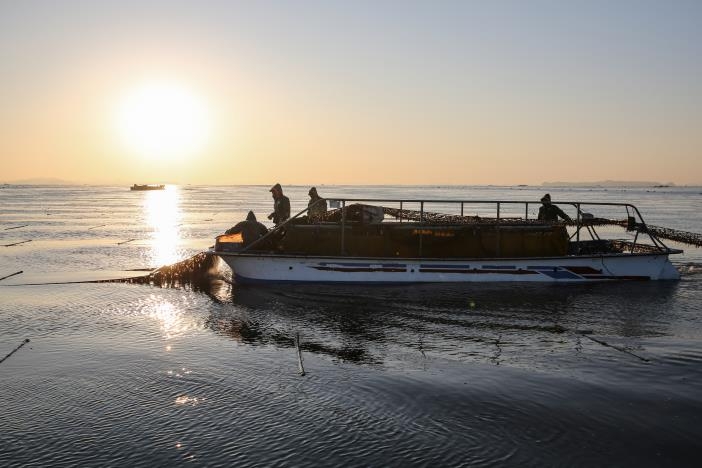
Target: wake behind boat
x,y
380,241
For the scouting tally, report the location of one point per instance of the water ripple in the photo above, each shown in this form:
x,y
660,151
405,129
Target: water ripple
x,y
442,375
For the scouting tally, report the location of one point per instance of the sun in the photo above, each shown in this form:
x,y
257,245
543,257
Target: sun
x,y
163,120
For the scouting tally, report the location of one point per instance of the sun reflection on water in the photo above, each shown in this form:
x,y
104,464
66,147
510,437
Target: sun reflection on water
x,y
171,319
163,215
187,400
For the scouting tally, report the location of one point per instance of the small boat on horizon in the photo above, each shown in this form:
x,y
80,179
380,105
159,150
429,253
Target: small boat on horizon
x,y
147,187
364,243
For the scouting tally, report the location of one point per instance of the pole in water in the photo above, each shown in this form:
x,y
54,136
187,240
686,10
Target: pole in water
x,y
13,274
26,340
299,354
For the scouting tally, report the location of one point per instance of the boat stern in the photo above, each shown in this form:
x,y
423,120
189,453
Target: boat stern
x,y
668,271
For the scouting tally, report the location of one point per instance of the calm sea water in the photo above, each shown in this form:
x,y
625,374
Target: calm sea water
x,y
462,375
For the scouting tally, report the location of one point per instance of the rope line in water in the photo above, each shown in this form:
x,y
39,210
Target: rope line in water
x,y
301,368
16,227
618,348
586,334
17,243
13,274
26,340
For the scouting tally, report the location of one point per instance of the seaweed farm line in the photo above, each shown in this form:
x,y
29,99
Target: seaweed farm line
x,y
166,366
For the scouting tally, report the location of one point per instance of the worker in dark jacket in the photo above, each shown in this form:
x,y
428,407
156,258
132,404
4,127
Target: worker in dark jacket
x,y
281,205
317,205
251,230
550,212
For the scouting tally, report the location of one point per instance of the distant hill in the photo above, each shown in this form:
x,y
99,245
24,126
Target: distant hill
x,y
42,181
609,183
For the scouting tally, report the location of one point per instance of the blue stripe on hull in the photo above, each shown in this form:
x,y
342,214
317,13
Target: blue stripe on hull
x,y
382,265
560,274
238,279
245,280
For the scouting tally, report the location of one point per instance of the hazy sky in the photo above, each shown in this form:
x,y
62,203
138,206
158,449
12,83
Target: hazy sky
x,y
433,92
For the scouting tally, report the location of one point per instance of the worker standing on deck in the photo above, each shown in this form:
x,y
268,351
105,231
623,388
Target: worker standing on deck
x,y
317,205
251,230
550,212
281,205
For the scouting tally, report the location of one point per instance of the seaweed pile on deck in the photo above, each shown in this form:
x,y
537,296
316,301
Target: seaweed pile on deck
x,y
356,211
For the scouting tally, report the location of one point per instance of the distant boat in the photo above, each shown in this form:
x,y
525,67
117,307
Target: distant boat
x,y
147,187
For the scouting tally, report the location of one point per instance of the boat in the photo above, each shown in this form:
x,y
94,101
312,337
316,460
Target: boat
x,y
147,187
381,241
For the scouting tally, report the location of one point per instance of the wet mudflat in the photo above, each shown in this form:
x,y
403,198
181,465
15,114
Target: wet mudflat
x,y
479,375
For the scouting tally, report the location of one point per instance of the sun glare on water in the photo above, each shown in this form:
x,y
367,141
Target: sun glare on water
x,y
163,215
162,120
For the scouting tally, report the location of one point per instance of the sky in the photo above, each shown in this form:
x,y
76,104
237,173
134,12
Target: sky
x,y
362,92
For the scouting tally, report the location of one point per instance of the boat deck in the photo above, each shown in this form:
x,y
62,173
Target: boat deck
x,y
363,243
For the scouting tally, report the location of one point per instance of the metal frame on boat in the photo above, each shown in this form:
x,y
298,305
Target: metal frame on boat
x,y
357,243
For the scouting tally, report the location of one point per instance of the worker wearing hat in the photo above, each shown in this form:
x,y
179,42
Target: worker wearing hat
x,y
281,205
550,212
317,205
250,230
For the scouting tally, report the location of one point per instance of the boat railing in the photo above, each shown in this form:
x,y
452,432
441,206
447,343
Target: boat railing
x,y
634,220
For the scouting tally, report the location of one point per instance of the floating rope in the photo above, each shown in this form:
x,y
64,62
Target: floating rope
x,y
26,340
609,345
300,367
13,274
17,243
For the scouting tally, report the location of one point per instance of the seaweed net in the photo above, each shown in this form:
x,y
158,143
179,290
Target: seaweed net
x,y
196,271
684,237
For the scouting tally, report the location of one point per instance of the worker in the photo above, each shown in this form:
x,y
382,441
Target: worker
x,y
317,205
251,230
550,212
281,205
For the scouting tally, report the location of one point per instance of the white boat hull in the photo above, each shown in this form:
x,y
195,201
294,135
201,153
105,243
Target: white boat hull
x,y
252,268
